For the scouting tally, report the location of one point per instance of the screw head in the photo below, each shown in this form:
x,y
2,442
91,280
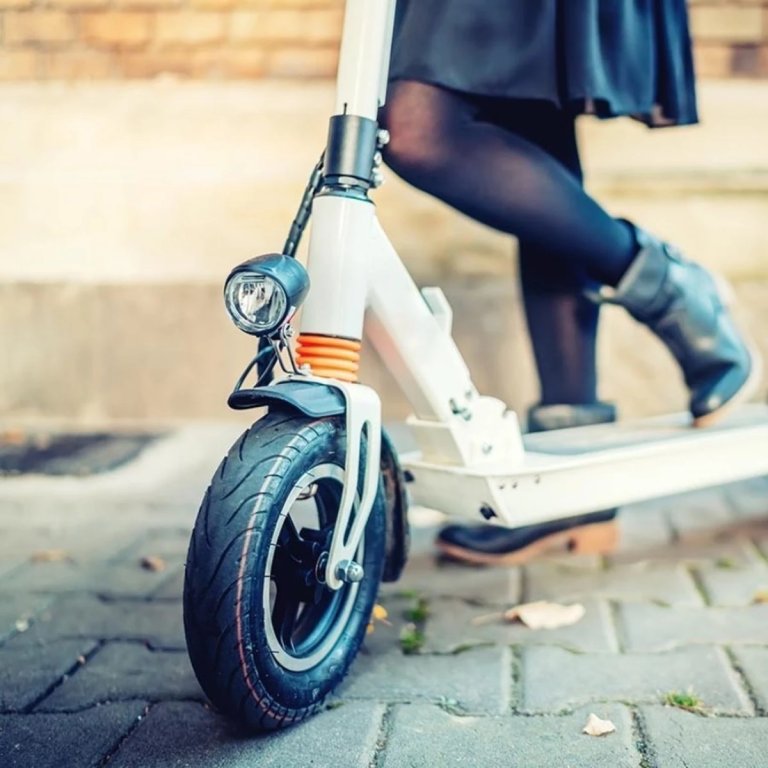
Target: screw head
x,y
349,571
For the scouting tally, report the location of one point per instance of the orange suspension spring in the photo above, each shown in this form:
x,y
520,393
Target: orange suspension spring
x,y
329,357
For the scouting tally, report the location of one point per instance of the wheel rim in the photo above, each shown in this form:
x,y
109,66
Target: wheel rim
x,y
303,621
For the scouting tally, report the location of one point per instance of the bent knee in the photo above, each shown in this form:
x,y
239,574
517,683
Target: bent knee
x,y
414,147
422,139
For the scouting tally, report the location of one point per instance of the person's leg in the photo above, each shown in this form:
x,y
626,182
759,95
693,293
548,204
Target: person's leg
x,y
562,324
562,321
499,178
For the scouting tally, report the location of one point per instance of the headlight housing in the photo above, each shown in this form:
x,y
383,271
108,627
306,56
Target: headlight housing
x,y
263,293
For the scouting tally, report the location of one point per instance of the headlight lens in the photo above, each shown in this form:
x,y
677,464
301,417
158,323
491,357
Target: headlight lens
x,y
257,303
263,293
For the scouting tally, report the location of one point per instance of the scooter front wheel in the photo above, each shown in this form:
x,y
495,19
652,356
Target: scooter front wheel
x,y
268,639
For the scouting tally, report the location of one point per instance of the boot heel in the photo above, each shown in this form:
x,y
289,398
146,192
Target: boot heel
x,y
596,539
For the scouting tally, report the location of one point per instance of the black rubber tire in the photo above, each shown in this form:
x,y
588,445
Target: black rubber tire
x,y
224,616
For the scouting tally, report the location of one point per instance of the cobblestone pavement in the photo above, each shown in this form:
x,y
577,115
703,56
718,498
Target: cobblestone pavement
x,y
93,667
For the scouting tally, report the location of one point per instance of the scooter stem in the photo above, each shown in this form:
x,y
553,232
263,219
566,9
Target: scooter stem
x,y
364,59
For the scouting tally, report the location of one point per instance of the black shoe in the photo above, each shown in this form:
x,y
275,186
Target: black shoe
x,y
686,307
592,533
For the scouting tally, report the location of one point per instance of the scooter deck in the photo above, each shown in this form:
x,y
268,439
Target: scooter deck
x,y
644,433
571,471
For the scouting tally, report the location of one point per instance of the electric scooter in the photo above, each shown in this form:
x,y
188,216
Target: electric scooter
x,y
307,513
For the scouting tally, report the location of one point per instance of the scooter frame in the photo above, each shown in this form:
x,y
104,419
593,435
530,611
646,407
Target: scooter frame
x,y
473,461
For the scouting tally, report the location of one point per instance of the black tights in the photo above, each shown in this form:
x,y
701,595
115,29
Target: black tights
x,y
514,165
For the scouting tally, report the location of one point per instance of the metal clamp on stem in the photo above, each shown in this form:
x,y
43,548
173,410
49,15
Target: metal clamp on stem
x,y
349,156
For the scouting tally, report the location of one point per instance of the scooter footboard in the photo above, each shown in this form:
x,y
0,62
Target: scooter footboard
x,y
573,471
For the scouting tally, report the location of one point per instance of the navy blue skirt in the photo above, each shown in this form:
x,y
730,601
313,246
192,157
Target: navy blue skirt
x,y
603,57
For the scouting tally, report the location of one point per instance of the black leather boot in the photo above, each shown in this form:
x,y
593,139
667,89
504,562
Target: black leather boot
x,y
594,532
685,306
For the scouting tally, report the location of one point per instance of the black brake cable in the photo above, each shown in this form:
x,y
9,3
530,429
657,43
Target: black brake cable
x,y
265,364
305,209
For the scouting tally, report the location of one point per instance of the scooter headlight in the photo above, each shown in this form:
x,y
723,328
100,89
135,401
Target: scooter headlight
x,y
263,293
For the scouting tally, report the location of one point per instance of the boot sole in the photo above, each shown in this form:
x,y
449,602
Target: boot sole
x,y
750,386
594,539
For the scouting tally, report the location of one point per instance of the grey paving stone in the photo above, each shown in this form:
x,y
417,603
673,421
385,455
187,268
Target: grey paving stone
x,y
71,503
735,549
7,568
424,735
423,531
172,587
157,623
169,544
733,585
657,628
183,735
679,738
80,542
82,739
554,680
642,527
29,666
102,578
121,671
450,627
670,584
485,586
750,498
753,663
17,610
701,514
477,681
572,560
761,540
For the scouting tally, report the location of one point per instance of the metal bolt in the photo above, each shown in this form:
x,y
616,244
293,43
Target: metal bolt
x,y
382,137
349,571
465,413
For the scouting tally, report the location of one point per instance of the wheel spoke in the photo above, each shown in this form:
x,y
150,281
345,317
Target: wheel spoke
x,y
289,538
284,613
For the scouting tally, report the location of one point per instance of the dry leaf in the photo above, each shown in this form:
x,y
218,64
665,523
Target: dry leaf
x,y
545,615
51,556
153,563
597,727
379,613
761,596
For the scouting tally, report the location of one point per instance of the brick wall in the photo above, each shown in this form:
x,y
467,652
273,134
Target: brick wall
x,y
81,39
731,37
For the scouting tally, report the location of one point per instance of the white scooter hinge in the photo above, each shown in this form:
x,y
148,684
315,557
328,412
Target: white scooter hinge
x,y
363,420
